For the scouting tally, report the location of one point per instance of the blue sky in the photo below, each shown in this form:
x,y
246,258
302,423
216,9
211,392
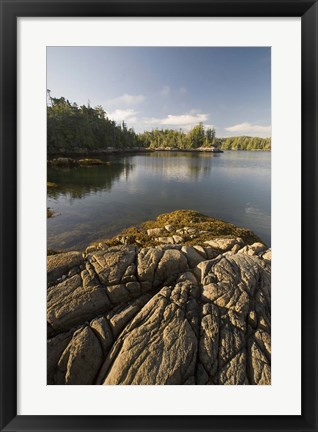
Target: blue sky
x,y
169,87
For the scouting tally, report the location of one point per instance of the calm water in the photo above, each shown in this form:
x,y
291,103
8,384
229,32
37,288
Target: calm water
x,y
92,203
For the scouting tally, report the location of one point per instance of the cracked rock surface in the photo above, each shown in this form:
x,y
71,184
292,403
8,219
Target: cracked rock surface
x,y
167,314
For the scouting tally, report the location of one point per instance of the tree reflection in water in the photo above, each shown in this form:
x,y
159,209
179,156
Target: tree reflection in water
x,y
78,182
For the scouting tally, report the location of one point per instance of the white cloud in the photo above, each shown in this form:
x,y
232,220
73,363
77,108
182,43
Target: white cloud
x,y
185,120
132,118
165,91
248,128
127,100
119,115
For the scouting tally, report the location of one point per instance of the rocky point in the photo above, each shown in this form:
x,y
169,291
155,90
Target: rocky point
x,y
181,300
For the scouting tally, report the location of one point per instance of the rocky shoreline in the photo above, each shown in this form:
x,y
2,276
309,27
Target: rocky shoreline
x,y
109,150
164,303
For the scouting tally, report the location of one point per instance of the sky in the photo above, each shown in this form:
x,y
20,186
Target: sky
x,y
169,87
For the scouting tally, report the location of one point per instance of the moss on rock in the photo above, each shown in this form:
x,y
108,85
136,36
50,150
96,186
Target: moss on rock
x,y
51,185
193,227
64,162
90,162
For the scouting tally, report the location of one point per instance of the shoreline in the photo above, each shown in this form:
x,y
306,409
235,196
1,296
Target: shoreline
x,y
87,153
143,234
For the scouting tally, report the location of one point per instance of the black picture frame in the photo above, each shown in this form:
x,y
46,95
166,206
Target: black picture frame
x,y
10,11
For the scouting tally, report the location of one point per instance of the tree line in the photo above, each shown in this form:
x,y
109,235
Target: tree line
x,y
244,143
197,137
71,128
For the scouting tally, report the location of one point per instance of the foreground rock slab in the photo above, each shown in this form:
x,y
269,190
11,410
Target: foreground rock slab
x,y
166,315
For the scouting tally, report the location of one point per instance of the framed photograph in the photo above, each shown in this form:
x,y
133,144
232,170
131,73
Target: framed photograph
x,y
158,215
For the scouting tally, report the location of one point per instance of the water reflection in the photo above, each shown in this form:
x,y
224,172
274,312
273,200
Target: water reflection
x,y
181,166
92,203
77,183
